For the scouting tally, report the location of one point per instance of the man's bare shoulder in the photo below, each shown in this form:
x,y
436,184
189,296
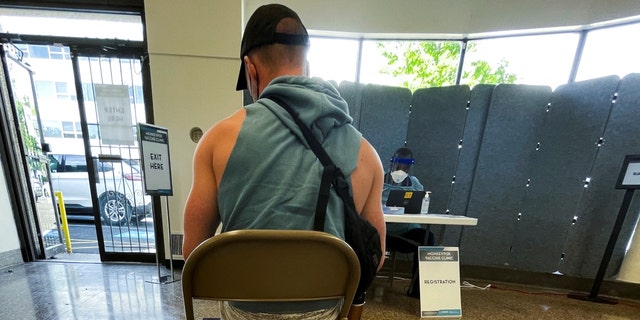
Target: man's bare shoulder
x,y
227,127
368,156
229,123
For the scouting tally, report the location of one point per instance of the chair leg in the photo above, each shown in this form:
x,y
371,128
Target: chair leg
x,y
355,312
393,268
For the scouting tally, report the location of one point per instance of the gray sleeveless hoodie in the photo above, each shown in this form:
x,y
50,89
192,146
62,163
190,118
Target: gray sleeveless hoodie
x,y
272,178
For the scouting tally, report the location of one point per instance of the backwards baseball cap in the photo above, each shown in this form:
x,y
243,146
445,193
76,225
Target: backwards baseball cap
x,y
261,30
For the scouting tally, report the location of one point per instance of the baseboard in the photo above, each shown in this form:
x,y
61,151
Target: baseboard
x,y
10,258
611,288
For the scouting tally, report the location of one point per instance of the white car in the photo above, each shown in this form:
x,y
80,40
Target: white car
x,y
119,186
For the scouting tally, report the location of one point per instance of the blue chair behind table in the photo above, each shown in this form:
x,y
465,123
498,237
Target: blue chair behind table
x,y
271,265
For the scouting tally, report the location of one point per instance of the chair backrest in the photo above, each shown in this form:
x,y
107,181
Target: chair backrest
x,y
271,265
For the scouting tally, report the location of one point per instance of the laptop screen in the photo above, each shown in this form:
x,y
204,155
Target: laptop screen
x,y
411,201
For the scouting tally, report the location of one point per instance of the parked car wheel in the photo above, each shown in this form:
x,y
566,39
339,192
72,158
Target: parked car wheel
x,y
115,208
115,180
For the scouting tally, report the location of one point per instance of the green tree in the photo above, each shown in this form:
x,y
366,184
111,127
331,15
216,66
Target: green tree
x,y
420,64
30,142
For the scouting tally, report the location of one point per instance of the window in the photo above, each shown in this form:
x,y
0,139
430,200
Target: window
x,y
23,48
51,129
45,89
75,163
71,24
54,162
536,60
63,91
44,52
610,51
135,94
139,95
411,64
71,129
541,59
87,91
37,51
93,131
59,53
104,166
333,59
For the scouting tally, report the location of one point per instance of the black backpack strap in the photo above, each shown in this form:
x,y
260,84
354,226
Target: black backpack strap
x,y
360,234
329,172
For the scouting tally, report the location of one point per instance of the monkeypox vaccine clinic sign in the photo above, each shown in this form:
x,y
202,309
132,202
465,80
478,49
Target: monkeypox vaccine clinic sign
x,y
439,269
154,145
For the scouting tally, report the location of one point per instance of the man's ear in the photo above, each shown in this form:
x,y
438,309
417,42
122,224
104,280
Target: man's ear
x,y
248,66
307,68
251,75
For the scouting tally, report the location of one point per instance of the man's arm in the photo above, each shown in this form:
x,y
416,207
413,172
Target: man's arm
x,y
367,180
201,215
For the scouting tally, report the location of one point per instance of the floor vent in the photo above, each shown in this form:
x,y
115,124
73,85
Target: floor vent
x,y
176,244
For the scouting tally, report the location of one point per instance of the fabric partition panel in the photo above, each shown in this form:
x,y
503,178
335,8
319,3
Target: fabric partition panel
x,y
384,116
600,204
563,161
537,168
352,93
511,132
436,126
472,136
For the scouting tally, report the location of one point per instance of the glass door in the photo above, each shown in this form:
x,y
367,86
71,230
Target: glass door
x,y
46,220
111,100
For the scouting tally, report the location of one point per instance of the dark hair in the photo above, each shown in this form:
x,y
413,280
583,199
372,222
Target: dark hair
x,y
403,153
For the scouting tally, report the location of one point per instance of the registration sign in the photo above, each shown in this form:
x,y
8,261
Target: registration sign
x,y
439,269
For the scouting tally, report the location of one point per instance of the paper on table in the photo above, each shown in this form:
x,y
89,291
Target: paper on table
x,y
392,210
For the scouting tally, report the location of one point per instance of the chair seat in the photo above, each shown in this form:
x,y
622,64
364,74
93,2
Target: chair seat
x,y
280,266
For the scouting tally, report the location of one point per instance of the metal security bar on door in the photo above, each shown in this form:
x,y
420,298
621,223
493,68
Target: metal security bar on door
x,y
112,104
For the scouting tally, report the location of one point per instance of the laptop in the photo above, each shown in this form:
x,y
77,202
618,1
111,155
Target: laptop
x,y
411,201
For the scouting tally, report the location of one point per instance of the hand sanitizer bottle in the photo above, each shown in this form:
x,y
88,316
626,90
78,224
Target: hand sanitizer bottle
x,y
425,203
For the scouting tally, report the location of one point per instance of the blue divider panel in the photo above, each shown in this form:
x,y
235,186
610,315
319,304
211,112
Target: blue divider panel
x,y
525,155
436,125
599,207
352,93
384,117
568,146
510,135
473,131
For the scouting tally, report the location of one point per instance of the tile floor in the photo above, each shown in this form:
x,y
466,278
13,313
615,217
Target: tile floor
x,y
92,290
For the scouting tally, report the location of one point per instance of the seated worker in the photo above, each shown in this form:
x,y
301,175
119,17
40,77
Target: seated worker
x,y
405,237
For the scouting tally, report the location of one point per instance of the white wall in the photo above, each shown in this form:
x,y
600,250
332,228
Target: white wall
x,y
9,240
193,52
